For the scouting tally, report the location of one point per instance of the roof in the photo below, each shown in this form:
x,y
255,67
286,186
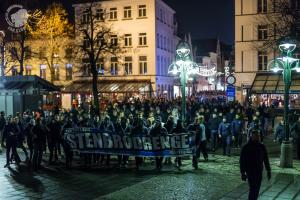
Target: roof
x,y
25,82
109,86
272,83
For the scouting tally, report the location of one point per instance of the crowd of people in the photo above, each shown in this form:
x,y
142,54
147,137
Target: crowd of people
x,y
217,124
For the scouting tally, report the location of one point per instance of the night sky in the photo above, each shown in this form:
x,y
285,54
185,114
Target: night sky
x,y
202,18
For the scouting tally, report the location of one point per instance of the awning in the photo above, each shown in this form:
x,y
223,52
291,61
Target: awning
x,y
272,83
126,86
26,82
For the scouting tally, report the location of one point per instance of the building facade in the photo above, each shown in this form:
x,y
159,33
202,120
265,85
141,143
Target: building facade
x,y
146,30
249,33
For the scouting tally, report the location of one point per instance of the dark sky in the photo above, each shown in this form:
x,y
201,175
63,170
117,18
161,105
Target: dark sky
x,y
202,18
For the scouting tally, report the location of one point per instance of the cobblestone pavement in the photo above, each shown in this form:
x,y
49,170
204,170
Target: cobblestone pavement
x,y
217,179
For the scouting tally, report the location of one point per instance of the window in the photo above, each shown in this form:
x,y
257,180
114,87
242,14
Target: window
x,y
113,14
128,40
56,72
143,64
69,72
114,66
157,40
161,65
262,61
68,53
262,6
85,17
161,42
43,71
114,40
128,65
86,42
142,39
127,12
14,71
100,66
158,64
242,61
142,11
262,32
99,15
28,69
168,44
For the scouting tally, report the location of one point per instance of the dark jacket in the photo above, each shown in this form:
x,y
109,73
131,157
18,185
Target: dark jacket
x,y
213,123
252,158
237,126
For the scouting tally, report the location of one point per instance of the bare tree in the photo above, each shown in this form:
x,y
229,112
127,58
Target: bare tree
x,y
282,21
95,41
18,47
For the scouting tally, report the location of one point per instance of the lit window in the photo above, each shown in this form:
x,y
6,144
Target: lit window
x,y
113,14
128,40
28,69
262,32
142,11
128,65
262,6
100,66
143,64
43,71
114,66
262,61
69,71
142,39
127,12
56,72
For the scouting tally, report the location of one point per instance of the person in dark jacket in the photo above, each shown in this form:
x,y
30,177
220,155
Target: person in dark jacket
x,y
237,126
54,139
213,126
29,141
279,133
158,130
179,129
2,124
195,127
39,137
295,129
139,130
226,136
253,156
10,136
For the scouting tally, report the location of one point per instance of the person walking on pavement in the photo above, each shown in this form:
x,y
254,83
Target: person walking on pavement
x,y
279,133
253,156
158,130
237,126
295,130
39,137
10,136
213,124
226,136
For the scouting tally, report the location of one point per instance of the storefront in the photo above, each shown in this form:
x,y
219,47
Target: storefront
x,y
80,92
268,88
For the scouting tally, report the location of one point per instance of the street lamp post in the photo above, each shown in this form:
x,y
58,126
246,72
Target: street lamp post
x,y
286,64
185,67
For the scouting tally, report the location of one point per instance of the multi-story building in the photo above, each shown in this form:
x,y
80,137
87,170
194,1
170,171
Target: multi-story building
x,y
249,33
148,32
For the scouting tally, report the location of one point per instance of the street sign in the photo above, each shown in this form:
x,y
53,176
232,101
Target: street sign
x,y
230,92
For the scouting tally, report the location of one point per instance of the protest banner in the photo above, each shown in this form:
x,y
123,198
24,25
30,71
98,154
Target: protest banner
x,y
91,140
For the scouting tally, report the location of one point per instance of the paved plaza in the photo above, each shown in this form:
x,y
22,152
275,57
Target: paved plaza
x,y
217,179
